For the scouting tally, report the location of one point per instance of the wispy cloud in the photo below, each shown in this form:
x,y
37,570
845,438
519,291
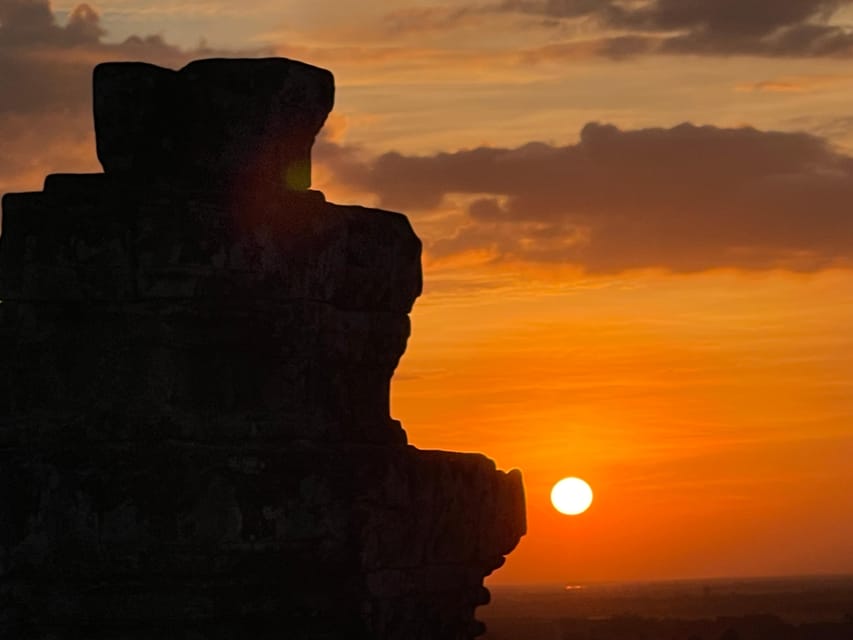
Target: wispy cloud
x,y
795,84
705,27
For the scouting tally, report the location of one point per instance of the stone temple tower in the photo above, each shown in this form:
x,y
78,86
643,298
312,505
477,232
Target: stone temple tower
x,y
195,438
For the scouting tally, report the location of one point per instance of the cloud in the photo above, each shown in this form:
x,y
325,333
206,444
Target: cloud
x,y
684,199
706,27
48,66
521,34
794,84
46,71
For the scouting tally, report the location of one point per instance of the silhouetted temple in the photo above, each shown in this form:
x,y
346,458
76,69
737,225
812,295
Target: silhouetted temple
x,y
195,438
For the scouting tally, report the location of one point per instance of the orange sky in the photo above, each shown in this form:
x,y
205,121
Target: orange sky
x,y
711,414
662,309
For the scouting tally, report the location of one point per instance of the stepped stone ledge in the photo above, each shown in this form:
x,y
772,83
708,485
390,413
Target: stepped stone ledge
x,y
195,432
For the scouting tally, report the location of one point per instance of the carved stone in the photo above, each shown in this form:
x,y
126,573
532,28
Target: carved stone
x,y
237,121
195,436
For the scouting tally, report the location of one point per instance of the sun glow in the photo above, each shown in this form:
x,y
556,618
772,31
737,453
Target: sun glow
x,y
571,496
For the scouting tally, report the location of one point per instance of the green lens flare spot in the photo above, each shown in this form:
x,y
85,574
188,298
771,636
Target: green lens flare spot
x,y
297,175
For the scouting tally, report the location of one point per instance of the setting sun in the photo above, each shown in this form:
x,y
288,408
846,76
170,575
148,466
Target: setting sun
x,y
571,496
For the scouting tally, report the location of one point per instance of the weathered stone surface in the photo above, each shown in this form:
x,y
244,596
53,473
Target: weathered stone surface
x,y
195,435
240,121
301,369
96,238
178,528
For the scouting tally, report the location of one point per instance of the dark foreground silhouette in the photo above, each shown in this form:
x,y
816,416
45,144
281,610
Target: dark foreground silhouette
x,y
195,439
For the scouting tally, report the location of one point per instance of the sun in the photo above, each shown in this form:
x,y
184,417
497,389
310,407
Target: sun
x,y
571,496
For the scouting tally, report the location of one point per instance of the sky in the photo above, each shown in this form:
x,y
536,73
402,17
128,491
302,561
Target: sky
x,y
638,243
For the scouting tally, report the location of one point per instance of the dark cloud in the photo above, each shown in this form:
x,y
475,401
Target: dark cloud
x,y
753,18
31,22
685,199
45,75
47,67
711,27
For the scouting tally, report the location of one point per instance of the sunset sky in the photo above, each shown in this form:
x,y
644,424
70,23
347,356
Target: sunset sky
x,y
637,219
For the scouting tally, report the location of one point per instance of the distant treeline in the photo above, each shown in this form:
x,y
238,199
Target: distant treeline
x,y
752,627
